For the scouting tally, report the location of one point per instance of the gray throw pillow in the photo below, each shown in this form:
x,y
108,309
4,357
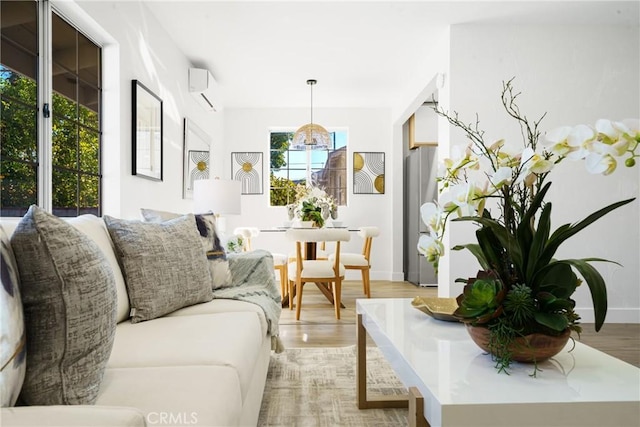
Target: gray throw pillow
x,y
69,298
13,348
206,223
163,264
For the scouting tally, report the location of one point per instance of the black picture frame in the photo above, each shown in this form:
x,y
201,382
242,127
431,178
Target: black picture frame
x,y
246,167
146,132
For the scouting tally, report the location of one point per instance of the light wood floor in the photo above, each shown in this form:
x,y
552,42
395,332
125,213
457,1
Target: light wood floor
x,y
318,326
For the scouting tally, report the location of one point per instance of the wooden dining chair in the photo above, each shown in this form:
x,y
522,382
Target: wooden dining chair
x,y
361,261
306,269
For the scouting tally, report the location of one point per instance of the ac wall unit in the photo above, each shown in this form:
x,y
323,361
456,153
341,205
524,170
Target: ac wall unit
x,y
205,89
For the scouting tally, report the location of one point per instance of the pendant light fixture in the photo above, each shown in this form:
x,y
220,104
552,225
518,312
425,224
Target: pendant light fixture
x,y
311,135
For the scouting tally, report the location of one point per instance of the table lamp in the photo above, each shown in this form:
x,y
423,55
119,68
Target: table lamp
x,y
220,196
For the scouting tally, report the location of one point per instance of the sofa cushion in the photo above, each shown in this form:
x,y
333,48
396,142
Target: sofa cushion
x,y
12,334
185,395
163,265
206,223
73,416
69,298
220,305
224,339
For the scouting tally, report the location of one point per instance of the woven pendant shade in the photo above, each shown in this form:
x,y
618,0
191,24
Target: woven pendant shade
x,y
311,135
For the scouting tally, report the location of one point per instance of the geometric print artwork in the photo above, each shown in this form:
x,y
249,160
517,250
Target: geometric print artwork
x,y
247,168
198,166
368,173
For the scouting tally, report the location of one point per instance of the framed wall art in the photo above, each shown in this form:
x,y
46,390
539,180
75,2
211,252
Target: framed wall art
x,y
196,157
247,168
368,173
146,132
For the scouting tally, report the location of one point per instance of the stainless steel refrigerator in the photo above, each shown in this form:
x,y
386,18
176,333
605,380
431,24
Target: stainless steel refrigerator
x,y
420,186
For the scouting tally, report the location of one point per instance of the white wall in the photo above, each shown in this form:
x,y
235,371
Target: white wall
x,y
145,52
576,74
428,74
368,130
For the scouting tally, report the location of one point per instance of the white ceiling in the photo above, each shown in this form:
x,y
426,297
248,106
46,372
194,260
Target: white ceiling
x,y
363,54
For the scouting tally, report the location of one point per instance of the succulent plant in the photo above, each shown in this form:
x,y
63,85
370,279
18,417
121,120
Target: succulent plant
x,y
481,299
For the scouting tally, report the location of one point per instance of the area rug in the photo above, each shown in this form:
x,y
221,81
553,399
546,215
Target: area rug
x,y
317,387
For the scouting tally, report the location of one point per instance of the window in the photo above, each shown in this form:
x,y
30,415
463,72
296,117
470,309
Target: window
x,y
73,119
326,169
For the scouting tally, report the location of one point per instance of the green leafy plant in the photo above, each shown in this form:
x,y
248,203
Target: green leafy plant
x,y
313,204
522,288
481,299
235,244
312,212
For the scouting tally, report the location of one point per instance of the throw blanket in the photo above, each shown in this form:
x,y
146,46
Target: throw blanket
x,y
254,281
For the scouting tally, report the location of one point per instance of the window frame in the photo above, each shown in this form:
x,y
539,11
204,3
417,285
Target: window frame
x,y
309,170
80,21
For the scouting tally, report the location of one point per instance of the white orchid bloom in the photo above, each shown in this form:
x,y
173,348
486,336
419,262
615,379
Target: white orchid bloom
x,y
432,216
460,160
632,128
465,198
600,163
557,140
430,247
532,163
503,176
611,139
579,139
570,142
317,193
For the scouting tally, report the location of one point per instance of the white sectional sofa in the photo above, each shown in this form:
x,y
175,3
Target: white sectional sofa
x,y
201,365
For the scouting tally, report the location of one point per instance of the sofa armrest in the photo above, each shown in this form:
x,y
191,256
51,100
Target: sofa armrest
x,y
253,267
254,281
72,416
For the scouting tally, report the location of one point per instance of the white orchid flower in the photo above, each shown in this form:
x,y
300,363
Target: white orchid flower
x,y
557,140
532,163
600,163
570,142
503,176
632,128
430,247
432,216
464,198
611,138
461,160
317,193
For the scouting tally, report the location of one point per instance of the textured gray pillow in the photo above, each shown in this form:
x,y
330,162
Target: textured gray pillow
x,y
12,333
218,263
69,298
163,264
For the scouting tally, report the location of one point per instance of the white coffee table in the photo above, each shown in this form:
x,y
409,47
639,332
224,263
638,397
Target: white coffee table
x,y
452,382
